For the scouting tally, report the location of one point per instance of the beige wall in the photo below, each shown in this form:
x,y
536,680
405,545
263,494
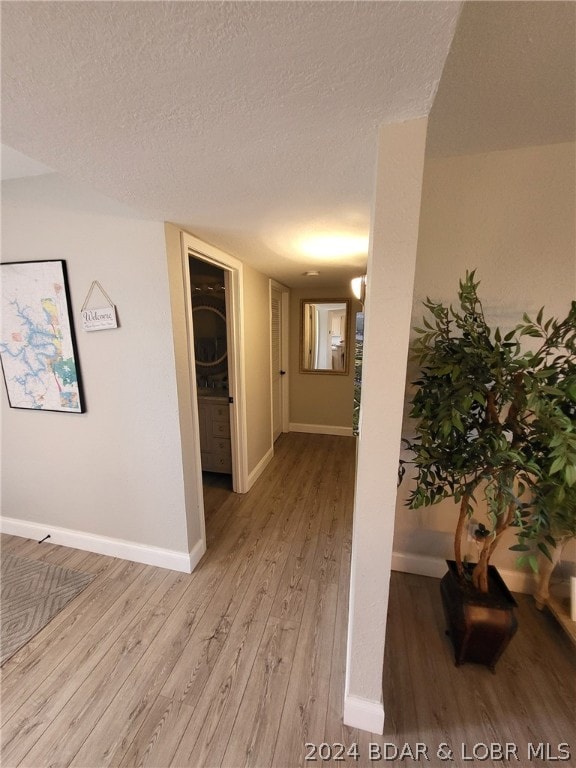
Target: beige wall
x,y
319,399
187,439
255,332
257,365
510,216
120,478
110,479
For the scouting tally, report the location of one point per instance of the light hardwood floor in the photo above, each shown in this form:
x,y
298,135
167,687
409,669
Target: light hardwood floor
x,y
242,662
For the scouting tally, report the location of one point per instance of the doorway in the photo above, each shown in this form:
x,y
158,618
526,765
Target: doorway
x,y
225,376
210,334
279,302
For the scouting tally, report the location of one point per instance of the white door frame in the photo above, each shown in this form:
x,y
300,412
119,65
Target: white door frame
x,y
284,362
192,247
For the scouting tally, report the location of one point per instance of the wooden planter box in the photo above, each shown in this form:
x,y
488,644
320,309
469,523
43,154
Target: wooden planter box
x,y
479,625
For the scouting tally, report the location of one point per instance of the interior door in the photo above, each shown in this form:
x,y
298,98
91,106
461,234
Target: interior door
x,y
277,373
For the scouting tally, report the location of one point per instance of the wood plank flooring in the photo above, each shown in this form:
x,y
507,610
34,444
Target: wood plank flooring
x,y
242,662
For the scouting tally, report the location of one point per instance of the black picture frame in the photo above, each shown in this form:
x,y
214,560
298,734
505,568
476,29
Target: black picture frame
x,y
38,349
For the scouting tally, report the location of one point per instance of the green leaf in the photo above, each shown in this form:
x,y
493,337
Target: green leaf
x,y
457,421
544,549
479,398
558,464
569,474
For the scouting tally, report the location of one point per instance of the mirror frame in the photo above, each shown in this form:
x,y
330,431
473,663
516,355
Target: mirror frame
x,y
326,371
218,361
217,305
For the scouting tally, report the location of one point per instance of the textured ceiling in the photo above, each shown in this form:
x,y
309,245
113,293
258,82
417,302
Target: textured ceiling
x,y
509,80
253,124
15,165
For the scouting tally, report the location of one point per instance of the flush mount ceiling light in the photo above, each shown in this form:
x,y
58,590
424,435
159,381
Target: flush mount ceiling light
x,y
333,246
311,273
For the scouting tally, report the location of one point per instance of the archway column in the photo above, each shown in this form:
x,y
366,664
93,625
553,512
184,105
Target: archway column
x,y
388,307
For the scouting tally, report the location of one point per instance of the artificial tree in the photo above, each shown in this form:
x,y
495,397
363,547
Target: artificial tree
x,y
495,419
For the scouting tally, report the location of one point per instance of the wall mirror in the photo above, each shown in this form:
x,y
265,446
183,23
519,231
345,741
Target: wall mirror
x,y
210,346
324,336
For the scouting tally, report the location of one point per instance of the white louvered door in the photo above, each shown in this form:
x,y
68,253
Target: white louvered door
x,y
276,318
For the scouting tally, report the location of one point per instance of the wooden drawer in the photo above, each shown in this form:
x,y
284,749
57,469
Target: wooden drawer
x,y
214,462
215,436
221,446
221,412
221,429
221,463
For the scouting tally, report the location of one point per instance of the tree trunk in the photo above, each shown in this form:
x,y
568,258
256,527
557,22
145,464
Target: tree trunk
x,y
480,573
459,532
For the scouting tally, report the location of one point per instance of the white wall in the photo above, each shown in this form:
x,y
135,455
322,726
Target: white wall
x,y
110,479
391,266
510,216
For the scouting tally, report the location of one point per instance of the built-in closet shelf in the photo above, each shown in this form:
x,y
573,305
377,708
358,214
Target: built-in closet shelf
x,y
215,447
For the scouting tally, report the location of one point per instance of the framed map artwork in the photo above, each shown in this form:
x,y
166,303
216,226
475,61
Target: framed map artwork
x,y
37,343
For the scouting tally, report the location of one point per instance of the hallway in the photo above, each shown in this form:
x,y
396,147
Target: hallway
x,y
239,663
242,662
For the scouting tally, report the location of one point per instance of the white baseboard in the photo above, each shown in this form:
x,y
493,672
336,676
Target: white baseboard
x,y
423,565
195,555
260,467
104,545
321,429
364,714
